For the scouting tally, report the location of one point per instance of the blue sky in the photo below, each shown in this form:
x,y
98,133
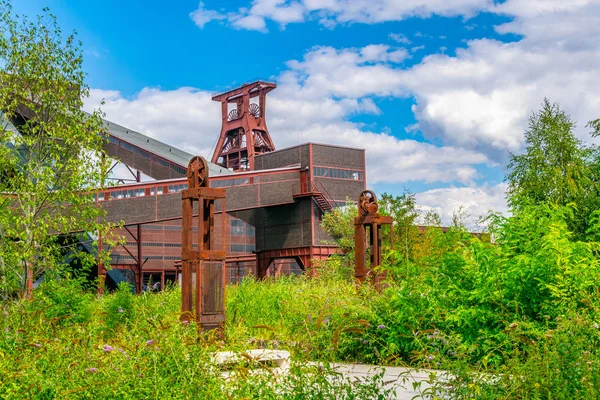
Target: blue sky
x,y
437,91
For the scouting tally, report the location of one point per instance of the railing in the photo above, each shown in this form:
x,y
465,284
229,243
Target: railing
x,y
248,82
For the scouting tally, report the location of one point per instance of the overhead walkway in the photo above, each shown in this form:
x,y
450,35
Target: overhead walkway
x,y
154,158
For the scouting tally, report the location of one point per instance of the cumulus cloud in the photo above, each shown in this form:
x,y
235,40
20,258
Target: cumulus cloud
x,y
332,12
481,98
399,38
475,103
476,202
185,118
202,16
304,108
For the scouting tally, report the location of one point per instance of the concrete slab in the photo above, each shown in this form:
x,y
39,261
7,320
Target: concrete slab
x,y
407,383
279,357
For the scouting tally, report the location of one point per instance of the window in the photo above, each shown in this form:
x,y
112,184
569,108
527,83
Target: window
x,y
336,173
237,227
238,248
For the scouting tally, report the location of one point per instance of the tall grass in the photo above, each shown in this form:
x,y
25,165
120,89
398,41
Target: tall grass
x,y
65,343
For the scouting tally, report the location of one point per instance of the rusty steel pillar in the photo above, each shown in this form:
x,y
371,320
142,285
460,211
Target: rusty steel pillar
x,y
368,221
203,270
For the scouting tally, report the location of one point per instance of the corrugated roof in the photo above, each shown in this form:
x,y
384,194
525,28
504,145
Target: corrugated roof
x,y
168,152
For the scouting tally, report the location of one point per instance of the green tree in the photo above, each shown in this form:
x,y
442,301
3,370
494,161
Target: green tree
x,y
51,156
555,168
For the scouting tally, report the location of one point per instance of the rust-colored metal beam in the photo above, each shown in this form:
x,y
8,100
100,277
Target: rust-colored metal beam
x,y
244,132
204,299
367,232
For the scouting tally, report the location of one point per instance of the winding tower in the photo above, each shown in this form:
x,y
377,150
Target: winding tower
x,y
244,132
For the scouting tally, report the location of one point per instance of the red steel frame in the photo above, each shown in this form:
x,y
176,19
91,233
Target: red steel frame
x,y
369,220
200,260
244,132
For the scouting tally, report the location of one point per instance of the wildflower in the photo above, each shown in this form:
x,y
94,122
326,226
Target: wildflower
x,y
430,358
107,348
120,310
365,342
91,369
380,326
38,345
150,342
326,320
156,285
595,325
123,352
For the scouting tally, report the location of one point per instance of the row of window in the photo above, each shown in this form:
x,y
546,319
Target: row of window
x,y
241,228
157,244
122,257
242,248
124,194
336,173
177,188
229,182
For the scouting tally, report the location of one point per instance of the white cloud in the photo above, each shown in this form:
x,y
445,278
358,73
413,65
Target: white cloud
x,y
475,201
251,22
481,98
186,117
202,16
332,12
381,53
399,38
476,103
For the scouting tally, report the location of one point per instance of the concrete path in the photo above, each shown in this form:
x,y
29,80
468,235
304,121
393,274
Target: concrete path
x,y
408,383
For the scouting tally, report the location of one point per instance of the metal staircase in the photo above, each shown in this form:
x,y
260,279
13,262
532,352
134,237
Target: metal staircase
x,y
318,193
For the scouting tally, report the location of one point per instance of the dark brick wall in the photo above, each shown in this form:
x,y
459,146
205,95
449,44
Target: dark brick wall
x,y
283,226
239,197
131,210
286,176
339,189
283,158
340,157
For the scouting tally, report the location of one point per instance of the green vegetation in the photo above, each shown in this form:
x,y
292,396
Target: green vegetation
x,y
517,318
65,343
51,160
512,313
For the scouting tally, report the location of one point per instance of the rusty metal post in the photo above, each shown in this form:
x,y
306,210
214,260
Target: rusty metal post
x,y
207,264
368,219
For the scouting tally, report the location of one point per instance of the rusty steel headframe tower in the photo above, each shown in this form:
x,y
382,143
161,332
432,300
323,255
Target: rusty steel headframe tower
x,y
207,264
244,132
369,221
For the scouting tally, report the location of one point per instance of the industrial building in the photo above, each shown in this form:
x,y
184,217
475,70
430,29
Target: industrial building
x,y
276,198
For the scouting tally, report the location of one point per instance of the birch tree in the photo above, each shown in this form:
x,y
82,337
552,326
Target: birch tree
x,y
51,155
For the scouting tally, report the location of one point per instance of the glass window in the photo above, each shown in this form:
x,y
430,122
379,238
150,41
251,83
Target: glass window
x,y
338,173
